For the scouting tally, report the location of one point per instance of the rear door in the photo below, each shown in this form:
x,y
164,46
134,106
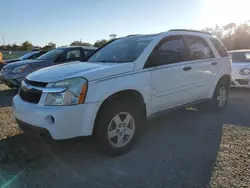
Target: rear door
x,y
201,60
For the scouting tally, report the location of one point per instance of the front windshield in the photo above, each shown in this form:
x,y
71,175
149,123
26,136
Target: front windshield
x,y
126,49
27,56
51,55
238,57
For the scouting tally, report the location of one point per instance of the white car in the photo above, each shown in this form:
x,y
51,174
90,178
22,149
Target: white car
x,y
123,83
240,68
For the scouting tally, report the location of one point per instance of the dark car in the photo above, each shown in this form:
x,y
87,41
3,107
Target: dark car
x,y
30,55
12,74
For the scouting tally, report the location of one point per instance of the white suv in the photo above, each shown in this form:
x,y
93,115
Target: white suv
x,y
122,83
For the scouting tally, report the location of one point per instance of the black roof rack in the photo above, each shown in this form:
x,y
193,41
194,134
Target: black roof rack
x,y
190,30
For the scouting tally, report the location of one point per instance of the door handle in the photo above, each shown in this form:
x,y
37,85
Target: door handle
x,y
214,63
187,68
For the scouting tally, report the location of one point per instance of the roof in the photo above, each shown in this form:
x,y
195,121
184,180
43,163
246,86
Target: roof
x,y
84,47
242,50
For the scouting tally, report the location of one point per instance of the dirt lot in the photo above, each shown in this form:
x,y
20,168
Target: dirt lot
x,y
184,148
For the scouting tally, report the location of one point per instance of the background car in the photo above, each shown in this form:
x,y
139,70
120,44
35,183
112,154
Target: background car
x,y
30,55
240,68
12,74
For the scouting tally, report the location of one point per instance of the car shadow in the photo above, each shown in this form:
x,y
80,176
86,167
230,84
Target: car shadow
x,y
6,97
179,147
176,149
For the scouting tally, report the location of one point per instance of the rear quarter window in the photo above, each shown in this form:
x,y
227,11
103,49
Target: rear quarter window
x,y
219,47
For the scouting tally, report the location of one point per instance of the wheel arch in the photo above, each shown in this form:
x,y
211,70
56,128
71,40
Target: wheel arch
x,y
224,78
132,96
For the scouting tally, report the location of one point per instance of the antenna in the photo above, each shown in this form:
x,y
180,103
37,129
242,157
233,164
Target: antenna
x,y
3,41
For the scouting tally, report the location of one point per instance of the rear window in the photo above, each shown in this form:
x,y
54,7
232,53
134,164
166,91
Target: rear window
x,y
219,47
240,56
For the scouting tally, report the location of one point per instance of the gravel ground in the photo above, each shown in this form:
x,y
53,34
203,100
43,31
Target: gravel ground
x,y
184,148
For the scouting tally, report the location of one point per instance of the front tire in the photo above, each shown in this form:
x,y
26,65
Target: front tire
x,y
117,127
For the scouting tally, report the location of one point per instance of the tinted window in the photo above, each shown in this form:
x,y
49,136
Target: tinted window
x,y
51,55
88,52
34,56
198,48
27,56
170,51
240,56
126,49
219,47
72,55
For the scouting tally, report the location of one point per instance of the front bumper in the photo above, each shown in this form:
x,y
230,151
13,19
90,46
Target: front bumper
x,y
240,81
31,129
62,122
11,80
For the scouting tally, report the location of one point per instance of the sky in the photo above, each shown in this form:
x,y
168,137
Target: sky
x,y
64,21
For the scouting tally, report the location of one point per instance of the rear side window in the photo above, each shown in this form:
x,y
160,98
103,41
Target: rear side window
x,y
198,48
219,47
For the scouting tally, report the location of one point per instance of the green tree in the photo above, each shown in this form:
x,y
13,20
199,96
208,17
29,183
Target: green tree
x,y
26,46
233,36
49,46
112,36
80,43
100,43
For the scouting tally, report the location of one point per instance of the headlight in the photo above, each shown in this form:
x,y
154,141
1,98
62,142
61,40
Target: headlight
x,y
20,69
75,93
245,71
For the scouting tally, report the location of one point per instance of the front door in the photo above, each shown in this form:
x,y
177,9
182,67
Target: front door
x,y
171,74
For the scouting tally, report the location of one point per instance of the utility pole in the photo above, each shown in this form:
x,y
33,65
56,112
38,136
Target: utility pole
x,y
3,41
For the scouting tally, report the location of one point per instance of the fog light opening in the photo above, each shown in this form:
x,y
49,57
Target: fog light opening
x,y
50,119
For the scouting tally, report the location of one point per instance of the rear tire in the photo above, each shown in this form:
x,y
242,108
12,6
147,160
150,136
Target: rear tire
x,y
117,127
220,96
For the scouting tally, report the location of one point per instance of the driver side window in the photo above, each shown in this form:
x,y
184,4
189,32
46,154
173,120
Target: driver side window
x,y
172,50
72,55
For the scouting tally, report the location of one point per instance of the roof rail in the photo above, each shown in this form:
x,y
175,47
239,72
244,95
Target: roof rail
x,y
190,30
133,35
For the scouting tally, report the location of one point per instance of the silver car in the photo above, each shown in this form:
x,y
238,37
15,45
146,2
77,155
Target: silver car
x,y
240,68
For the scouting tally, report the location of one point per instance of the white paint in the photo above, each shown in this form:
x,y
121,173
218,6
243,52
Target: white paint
x,y
161,87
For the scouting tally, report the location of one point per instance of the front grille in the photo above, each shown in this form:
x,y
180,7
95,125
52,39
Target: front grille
x,y
32,96
36,84
242,81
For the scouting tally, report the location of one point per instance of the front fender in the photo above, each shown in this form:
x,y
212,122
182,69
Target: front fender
x,y
101,89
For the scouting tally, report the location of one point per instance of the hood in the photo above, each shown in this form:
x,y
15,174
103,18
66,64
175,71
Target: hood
x,y
10,61
25,62
90,71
